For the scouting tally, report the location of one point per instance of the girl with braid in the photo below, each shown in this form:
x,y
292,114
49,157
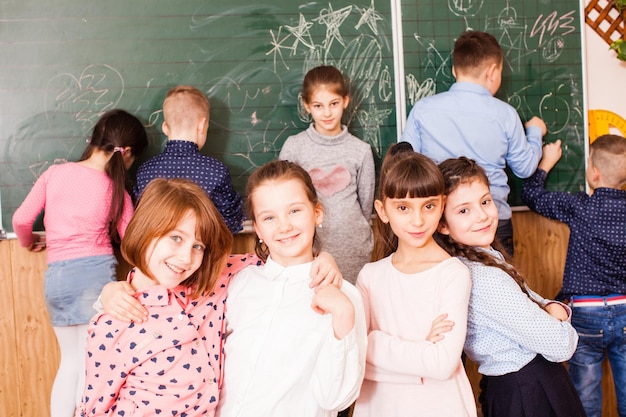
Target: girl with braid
x,y
516,337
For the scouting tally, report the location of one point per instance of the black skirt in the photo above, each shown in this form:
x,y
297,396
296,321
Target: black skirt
x,y
540,389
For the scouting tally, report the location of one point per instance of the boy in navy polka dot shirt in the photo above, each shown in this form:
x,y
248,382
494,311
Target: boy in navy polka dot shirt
x,y
594,282
186,123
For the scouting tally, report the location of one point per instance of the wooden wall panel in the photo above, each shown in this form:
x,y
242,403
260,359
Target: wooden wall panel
x,y
37,354
9,392
540,249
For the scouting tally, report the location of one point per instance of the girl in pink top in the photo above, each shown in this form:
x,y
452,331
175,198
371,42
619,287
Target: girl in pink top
x,y
168,364
412,297
86,208
172,362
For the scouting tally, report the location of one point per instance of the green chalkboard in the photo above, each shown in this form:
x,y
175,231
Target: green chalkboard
x,y
543,70
66,62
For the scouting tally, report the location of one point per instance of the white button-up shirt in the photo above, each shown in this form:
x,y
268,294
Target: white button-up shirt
x,y
282,358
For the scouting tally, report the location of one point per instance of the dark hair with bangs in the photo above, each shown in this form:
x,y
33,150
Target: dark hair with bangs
x,y
411,175
404,175
163,204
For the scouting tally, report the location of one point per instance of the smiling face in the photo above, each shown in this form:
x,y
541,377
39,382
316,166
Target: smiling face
x,y
412,220
174,257
285,219
326,108
470,215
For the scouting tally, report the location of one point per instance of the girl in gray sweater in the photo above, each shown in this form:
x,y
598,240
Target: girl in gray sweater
x,y
342,169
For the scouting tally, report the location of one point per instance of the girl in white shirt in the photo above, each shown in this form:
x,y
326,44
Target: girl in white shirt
x,y
290,350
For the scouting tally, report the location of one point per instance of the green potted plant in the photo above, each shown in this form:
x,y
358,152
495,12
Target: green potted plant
x,y
619,45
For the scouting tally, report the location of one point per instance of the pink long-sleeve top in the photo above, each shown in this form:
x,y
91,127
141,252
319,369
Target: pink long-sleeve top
x,y
171,365
76,200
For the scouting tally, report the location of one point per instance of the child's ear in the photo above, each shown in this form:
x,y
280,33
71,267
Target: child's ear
x,y
319,214
380,210
490,72
165,128
595,177
202,125
346,101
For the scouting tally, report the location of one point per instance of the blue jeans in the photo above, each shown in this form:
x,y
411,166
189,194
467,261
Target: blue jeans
x,y
71,287
600,330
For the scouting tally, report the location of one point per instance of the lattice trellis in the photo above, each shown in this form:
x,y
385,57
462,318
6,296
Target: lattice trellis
x,y
605,20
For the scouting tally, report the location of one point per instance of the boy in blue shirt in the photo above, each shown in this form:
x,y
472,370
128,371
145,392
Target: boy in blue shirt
x,y
186,123
468,120
594,281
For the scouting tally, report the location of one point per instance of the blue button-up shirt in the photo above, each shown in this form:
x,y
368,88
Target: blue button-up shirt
x,y
182,159
468,121
596,253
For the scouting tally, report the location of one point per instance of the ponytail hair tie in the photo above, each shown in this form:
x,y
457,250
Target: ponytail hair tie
x,y
118,149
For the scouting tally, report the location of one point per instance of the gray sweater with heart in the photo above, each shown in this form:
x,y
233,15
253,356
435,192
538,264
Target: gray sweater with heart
x,y
342,170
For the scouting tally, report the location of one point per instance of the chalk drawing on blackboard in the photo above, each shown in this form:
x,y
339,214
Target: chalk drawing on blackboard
x,y
543,68
369,17
96,90
301,34
252,97
72,105
154,118
417,90
552,23
360,60
278,46
371,119
465,9
256,149
333,20
435,63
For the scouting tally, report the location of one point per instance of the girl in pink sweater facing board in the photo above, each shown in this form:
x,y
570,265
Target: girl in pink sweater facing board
x,y
86,208
416,302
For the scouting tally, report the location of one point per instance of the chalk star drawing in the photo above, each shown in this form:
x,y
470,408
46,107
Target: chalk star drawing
x,y
277,46
371,120
369,16
333,20
302,34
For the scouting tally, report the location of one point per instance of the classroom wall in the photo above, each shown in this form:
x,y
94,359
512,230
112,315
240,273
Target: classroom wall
x,y
30,355
605,75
